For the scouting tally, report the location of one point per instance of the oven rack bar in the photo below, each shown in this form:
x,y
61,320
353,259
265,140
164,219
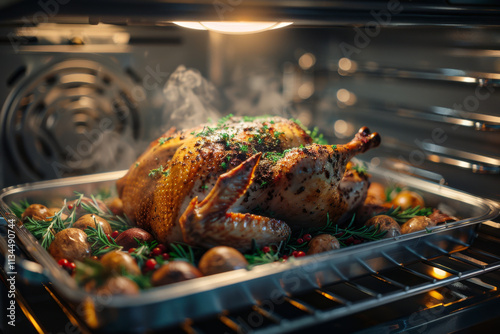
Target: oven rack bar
x,y
447,156
345,298
482,79
476,121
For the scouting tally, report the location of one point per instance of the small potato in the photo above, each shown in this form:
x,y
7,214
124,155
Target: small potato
x,y
126,239
118,285
416,224
376,193
366,211
221,259
385,223
37,212
173,272
90,220
116,262
70,244
322,243
408,199
115,204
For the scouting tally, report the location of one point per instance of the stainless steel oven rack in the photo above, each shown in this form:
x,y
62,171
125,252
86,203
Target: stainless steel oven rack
x,y
472,271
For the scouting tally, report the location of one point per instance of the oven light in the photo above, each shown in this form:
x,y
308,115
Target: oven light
x,y
233,27
439,273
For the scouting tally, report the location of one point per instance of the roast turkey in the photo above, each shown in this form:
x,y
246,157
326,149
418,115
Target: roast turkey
x,y
242,179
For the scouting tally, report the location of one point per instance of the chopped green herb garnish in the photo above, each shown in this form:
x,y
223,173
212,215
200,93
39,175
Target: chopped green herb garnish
x,y
160,170
220,122
163,140
361,168
243,148
223,165
315,135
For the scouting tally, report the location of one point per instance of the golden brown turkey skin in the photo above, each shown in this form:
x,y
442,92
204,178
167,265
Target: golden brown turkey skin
x,y
296,181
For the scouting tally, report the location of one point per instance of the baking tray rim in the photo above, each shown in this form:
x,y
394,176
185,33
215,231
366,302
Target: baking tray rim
x,y
67,286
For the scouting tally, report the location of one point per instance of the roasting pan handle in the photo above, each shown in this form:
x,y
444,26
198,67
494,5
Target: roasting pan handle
x,y
11,260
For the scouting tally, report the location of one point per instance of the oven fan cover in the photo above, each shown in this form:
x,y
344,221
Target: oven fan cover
x,y
73,117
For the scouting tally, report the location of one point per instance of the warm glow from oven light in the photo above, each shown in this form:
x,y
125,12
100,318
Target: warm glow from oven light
x,y
439,273
233,27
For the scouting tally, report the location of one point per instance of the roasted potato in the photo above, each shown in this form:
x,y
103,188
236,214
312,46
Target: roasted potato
x,y
115,204
322,243
221,259
416,224
408,199
385,223
173,272
366,211
118,285
37,212
90,220
116,262
375,194
70,244
126,239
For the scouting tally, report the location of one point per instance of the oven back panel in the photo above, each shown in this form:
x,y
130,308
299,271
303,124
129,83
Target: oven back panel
x,y
431,92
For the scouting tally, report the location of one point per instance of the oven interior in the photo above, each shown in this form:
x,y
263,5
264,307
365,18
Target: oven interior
x,y
84,88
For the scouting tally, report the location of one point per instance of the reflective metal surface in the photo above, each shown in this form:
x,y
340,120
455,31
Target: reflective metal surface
x,y
268,283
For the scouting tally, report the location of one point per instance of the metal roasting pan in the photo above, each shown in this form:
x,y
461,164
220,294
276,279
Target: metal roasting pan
x,y
263,285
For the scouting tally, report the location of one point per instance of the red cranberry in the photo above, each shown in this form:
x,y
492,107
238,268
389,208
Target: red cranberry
x,y
63,262
156,251
150,264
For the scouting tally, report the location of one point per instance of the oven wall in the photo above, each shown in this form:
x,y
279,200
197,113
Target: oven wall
x,y
430,92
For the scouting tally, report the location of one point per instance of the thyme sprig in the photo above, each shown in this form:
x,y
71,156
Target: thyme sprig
x,y
99,241
403,216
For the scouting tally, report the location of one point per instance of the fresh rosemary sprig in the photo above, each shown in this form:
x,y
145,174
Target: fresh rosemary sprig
x,y
90,270
141,253
260,257
118,223
182,251
19,208
403,216
99,241
342,234
45,231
